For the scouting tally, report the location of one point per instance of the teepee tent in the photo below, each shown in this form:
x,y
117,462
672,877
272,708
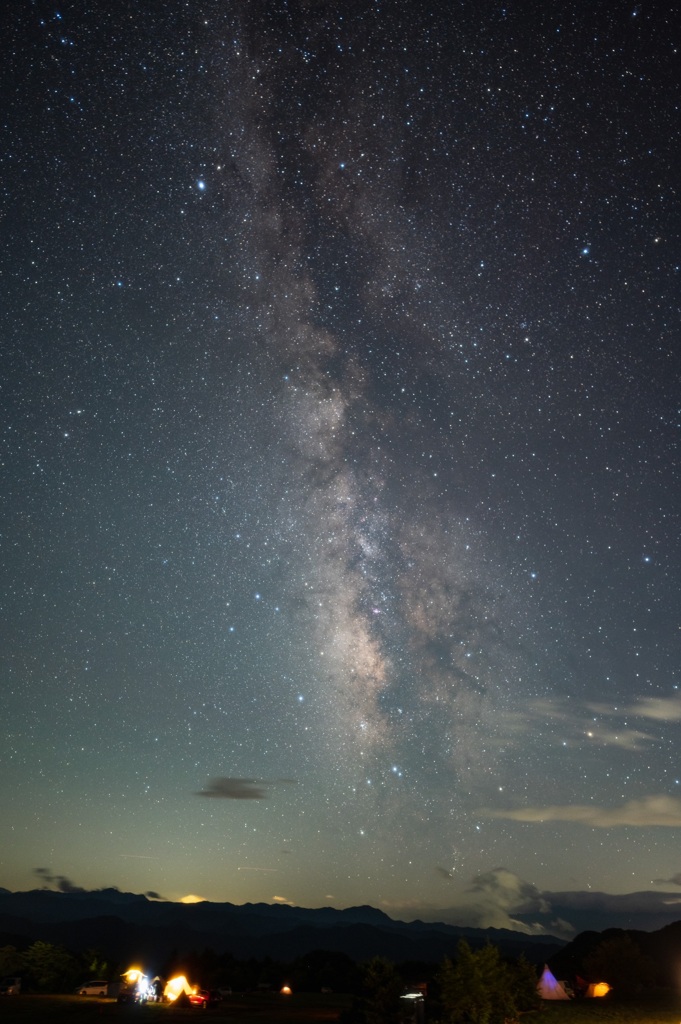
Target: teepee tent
x,y
549,988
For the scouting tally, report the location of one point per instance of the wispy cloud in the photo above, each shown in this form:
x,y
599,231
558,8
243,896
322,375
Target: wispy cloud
x,y
60,882
241,789
651,810
577,724
674,880
662,709
628,739
234,789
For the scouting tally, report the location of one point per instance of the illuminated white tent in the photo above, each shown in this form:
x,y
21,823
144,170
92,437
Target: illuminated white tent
x,y
549,988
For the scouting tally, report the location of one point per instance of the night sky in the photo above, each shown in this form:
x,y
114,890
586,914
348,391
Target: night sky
x,y
340,489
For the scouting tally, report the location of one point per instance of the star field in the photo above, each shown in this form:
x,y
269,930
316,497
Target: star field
x,y
340,431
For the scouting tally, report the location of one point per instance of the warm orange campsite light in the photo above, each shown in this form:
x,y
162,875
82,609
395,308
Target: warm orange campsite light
x,y
176,986
136,984
286,991
598,990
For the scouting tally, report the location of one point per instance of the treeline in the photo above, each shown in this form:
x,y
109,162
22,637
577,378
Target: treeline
x,y
44,967
476,986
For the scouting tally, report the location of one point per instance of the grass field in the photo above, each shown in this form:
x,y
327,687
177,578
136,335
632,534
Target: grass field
x,y
270,1008
654,1010
255,1008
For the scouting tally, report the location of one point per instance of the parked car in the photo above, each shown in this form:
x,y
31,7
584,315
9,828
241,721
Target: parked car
x,y
94,988
202,998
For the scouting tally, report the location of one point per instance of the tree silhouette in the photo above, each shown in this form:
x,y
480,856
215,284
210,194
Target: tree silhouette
x,y
381,989
50,968
481,988
11,961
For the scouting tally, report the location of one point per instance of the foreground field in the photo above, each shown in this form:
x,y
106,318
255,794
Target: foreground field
x,y
255,1008
270,1008
653,1010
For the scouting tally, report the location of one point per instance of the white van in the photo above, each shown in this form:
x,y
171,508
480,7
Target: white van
x,y
94,988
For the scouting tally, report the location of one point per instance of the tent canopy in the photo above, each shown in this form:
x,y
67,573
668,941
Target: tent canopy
x,y
549,988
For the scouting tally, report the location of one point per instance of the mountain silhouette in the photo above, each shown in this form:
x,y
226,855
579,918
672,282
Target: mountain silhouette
x,y
128,925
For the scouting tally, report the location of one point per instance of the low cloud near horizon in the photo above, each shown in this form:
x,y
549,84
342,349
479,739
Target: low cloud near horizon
x,y
502,899
494,899
674,880
659,810
240,789
499,898
59,882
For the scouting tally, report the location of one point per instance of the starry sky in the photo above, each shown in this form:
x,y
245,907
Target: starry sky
x,y
340,473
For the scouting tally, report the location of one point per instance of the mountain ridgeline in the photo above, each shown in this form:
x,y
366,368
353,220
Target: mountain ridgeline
x,y
129,925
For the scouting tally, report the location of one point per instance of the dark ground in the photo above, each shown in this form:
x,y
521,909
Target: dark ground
x,y
255,1008
272,1008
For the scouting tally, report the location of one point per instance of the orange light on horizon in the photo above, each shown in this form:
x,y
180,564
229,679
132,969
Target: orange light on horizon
x,y
286,991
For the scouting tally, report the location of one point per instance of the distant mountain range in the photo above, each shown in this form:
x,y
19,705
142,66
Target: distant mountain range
x,y
126,925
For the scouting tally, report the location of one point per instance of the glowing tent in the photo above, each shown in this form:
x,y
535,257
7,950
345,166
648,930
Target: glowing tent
x,y
549,988
597,990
